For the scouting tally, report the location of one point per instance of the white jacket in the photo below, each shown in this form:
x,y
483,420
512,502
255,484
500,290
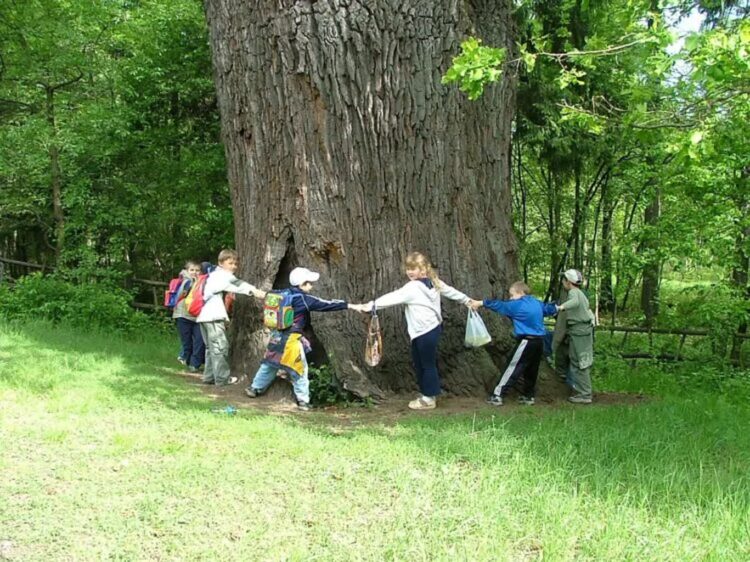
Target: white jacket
x,y
422,305
220,281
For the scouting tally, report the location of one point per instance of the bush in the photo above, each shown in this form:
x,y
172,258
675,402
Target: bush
x,y
95,306
325,389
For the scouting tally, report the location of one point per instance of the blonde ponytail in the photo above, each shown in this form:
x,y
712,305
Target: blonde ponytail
x,y
417,260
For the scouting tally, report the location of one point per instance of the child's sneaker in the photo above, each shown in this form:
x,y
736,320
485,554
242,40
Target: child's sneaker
x,y
181,361
423,403
579,400
251,392
527,400
303,406
495,400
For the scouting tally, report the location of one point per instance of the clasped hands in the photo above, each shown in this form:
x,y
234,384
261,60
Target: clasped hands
x,y
364,307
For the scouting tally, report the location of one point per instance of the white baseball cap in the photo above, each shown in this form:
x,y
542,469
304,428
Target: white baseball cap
x,y
301,275
574,276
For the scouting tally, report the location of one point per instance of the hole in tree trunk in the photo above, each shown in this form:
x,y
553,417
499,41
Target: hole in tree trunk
x,y
318,356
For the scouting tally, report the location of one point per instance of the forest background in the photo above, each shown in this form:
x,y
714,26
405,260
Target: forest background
x,y
629,160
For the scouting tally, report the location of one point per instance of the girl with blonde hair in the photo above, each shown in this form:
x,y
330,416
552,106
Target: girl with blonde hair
x,y
424,320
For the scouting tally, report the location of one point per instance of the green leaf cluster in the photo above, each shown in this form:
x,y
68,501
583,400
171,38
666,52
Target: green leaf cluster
x,y
476,67
141,167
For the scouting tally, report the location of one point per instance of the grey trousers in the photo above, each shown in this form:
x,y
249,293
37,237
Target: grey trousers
x,y
581,349
216,369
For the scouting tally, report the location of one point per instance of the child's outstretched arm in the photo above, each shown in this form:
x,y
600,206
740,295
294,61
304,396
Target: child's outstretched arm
x,y
317,304
244,288
573,301
506,308
453,294
400,296
227,283
549,309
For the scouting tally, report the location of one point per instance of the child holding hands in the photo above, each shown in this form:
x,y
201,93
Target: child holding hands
x,y
424,320
213,317
527,314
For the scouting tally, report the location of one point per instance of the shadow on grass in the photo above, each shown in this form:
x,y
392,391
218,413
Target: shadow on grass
x,y
42,358
661,454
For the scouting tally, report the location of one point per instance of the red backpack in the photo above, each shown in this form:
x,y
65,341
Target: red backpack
x,y
195,299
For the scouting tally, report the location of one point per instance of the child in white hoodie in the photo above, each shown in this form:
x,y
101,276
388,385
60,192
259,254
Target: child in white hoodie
x,y
213,317
424,320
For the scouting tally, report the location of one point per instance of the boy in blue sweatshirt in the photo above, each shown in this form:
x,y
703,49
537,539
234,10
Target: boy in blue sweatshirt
x,y
527,314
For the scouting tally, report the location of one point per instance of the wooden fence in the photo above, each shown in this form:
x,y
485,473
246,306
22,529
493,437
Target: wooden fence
x,y
156,290
738,340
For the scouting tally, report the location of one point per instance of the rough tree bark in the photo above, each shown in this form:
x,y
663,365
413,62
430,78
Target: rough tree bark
x,y
345,152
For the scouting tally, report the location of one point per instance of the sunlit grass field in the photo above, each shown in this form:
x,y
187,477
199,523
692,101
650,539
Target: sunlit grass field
x,y
107,455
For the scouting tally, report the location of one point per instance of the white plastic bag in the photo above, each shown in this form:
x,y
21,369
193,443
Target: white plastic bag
x,y
476,332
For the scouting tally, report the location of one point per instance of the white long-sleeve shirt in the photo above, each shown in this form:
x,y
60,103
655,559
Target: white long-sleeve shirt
x,y
220,281
422,305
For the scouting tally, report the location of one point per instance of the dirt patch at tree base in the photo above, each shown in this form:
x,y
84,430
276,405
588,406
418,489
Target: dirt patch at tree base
x,y
551,393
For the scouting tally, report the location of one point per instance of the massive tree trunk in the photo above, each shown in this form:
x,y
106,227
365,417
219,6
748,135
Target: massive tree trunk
x,y
345,152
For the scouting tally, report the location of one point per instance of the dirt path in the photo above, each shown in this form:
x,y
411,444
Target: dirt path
x,y
551,393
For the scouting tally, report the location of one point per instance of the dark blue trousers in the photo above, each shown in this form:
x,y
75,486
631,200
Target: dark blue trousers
x,y
424,357
193,348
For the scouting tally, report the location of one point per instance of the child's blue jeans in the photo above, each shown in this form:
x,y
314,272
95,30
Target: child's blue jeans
x,y
267,373
193,348
424,357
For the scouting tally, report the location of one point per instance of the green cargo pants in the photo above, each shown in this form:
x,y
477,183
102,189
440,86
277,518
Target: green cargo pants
x,y
581,351
216,369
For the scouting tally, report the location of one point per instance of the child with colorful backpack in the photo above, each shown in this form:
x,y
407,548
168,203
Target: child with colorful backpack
x,y
287,313
424,321
213,317
193,352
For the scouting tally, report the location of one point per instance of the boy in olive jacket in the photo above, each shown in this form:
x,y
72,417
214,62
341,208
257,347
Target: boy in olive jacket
x,y
579,329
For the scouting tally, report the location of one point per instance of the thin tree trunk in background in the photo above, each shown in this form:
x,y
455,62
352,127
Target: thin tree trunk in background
x,y
345,152
741,270
578,226
557,257
608,210
524,208
58,214
652,268
651,271
591,264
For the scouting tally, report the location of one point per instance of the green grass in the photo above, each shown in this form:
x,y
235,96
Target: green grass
x,y
105,455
